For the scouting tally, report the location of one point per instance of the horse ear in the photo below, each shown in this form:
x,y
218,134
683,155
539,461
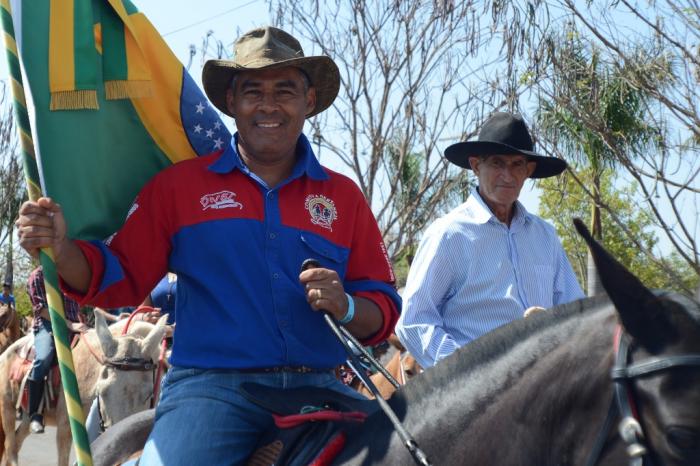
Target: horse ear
x,y
107,342
155,336
640,311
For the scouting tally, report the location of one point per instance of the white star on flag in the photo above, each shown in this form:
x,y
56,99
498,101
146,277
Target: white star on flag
x,y
200,107
218,143
198,128
210,133
217,125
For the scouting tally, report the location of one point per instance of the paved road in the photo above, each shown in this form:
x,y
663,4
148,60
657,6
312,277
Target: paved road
x,y
40,449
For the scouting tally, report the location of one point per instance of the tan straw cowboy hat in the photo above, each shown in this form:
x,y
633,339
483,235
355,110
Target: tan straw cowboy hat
x,y
265,48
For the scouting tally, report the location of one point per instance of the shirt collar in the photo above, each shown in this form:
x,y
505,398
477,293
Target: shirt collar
x,y
307,163
480,212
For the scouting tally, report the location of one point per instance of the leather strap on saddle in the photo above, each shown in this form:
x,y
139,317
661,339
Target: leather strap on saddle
x,y
310,424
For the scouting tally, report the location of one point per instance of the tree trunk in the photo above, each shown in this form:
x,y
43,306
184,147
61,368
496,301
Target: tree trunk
x,y
9,272
595,287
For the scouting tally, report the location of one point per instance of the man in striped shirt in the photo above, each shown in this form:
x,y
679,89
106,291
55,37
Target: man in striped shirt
x,y
489,260
44,346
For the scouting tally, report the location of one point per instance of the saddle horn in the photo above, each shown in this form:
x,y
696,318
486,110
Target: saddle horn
x,y
640,310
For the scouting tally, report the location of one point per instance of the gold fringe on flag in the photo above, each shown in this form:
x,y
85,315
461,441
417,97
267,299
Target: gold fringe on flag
x,y
74,100
128,89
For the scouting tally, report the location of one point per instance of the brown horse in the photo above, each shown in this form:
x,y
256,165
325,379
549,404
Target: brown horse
x,y
117,369
9,326
401,365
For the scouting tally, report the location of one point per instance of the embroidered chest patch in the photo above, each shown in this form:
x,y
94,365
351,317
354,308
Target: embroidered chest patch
x,y
322,210
220,200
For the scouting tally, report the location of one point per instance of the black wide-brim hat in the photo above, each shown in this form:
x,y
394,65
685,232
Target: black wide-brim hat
x,y
266,48
504,134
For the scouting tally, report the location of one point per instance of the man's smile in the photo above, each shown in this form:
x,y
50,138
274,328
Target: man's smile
x,y
263,124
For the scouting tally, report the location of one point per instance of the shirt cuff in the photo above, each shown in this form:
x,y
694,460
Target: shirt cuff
x,y
95,261
390,315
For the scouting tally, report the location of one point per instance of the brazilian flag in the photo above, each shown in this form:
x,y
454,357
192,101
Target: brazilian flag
x,y
109,105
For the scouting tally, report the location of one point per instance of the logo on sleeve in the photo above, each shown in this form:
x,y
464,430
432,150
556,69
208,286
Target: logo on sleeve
x,y
133,208
220,200
322,210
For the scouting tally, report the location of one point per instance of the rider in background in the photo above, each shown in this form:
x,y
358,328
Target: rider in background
x,y
489,260
6,296
44,345
235,227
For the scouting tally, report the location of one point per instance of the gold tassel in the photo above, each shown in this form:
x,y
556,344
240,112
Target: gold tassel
x,y
74,100
127,89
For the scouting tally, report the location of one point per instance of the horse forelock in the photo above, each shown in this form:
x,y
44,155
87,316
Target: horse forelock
x,y
686,304
679,319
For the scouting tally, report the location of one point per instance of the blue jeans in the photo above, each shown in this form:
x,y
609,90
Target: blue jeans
x,y
202,418
45,352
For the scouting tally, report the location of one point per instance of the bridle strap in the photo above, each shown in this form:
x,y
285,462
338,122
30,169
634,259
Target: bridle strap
x,y
602,437
629,427
654,365
123,364
622,403
131,364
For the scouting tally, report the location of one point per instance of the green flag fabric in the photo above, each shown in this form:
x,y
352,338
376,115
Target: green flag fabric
x,y
148,114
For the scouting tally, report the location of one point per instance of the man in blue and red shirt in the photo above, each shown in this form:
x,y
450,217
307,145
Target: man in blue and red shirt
x,y
235,227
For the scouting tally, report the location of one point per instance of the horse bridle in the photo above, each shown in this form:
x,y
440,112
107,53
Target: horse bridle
x,y
622,375
121,364
126,364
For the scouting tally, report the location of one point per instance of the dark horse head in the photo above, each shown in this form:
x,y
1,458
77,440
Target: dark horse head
x,y
551,389
540,391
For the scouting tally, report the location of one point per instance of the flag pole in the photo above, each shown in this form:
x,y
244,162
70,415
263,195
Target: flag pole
x,y
76,416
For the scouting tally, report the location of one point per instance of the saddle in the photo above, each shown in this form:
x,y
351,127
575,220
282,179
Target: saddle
x,y
310,424
19,371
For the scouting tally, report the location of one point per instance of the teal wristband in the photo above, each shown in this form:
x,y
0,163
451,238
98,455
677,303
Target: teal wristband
x,y
351,311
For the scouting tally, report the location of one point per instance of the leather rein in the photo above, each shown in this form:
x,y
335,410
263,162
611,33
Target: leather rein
x,y
623,404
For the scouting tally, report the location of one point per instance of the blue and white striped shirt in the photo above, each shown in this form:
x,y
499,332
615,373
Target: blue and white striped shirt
x,y
472,273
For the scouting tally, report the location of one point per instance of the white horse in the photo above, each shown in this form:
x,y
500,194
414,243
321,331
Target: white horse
x,y
116,369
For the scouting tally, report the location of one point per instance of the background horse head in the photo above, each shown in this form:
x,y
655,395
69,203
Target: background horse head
x,y
117,369
9,326
398,362
539,391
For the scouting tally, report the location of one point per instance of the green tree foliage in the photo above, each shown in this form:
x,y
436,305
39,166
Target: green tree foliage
x,y
563,198
23,305
587,96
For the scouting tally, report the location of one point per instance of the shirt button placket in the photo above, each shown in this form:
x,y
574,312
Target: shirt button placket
x,y
273,247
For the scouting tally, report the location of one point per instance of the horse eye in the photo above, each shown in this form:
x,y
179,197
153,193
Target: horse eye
x,y
683,438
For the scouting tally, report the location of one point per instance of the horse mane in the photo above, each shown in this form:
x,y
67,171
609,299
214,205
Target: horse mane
x,y
497,343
